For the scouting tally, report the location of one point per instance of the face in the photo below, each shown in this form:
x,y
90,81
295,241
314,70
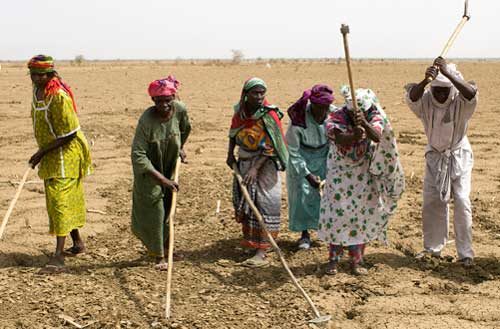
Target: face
x,y
319,112
255,96
40,79
164,105
440,93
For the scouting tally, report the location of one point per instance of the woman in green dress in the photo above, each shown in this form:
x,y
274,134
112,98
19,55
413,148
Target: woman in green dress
x,y
63,157
308,149
159,138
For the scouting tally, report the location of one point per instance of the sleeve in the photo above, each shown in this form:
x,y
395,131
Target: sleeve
x,y
376,119
415,106
140,162
468,107
296,163
63,117
184,125
337,120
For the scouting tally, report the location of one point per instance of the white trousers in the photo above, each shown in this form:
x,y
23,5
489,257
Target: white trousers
x,y
435,214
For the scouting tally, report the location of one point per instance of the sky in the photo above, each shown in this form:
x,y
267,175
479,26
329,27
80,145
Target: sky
x,y
166,29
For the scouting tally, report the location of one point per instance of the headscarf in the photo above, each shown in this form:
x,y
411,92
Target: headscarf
x,y
319,94
365,98
42,64
164,87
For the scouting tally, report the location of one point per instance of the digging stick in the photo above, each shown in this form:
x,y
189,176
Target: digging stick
x,y
319,318
344,29
13,202
170,259
451,40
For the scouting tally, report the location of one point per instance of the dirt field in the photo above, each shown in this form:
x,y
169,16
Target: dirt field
x,y
116,287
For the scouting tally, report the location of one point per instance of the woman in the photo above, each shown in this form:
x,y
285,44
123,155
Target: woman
x,y
159,139
308,148
256,129
63,155
364,179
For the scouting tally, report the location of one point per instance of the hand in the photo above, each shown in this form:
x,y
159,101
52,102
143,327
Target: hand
x,y
359,119
183,156
314,181
359,133
230,160
440,63
170,184
431,73
251,176
36,158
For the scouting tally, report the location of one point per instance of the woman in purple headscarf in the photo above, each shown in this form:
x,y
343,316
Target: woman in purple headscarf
x,y
308,149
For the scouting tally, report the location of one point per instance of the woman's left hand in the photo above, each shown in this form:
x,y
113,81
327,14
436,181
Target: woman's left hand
x,y
36,158
183,156
251,176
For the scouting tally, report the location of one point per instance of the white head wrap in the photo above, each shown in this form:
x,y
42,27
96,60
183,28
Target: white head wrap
x,y
442,81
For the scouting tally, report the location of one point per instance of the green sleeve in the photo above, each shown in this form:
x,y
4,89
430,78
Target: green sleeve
x,y
140,162
184,124
296,163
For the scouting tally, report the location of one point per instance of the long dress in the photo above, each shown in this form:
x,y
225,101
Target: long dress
x,y
259,135
363,184
156,146
308,150
62,169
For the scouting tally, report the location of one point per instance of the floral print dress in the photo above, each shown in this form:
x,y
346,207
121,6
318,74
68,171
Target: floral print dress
x,y
364,181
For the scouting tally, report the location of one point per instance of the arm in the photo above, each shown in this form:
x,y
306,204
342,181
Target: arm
x,y
417,91
142,164
230,152
37,157
296,162
185,128
465,89
251,176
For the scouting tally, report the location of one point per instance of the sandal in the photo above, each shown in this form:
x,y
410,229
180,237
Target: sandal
x,y
358,270
52,269
255,262
331,268
75,251
161,267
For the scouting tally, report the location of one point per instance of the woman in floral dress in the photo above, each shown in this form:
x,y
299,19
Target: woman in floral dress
x,y
364,179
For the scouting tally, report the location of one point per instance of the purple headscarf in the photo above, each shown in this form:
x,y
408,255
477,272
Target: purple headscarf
x,y
319,94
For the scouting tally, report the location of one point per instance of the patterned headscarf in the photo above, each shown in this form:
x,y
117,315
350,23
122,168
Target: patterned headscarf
x,y
41,64
319,94
365,98
164,87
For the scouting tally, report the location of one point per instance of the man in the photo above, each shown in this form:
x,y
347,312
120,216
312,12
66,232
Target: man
x,y
445,111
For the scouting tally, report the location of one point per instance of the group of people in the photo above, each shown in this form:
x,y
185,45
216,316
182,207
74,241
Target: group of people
x,y
343,172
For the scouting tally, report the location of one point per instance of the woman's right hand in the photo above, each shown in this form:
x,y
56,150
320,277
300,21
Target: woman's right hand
x,y
314,181
170,184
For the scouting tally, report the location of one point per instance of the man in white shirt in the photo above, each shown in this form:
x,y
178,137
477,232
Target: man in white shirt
x,y
445,110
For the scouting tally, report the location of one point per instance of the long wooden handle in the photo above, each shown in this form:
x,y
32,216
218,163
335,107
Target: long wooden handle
x,y
277,249
13,202
170,259
345,30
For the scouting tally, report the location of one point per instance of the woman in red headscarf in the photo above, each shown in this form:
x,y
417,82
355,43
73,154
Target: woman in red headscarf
x,y
159,138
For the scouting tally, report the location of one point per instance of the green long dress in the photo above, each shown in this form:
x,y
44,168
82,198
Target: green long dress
x,y
156,145
308,149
